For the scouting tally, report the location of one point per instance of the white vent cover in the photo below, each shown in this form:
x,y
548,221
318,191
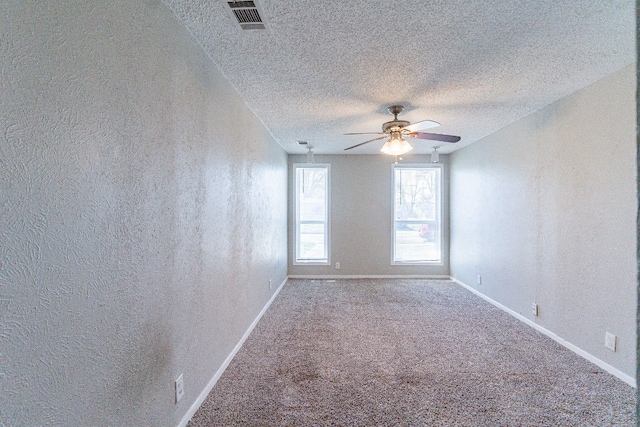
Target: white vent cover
x,y
247,14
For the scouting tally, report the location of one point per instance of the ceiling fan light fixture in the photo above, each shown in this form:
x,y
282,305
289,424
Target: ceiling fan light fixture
x,y
396,129
396,146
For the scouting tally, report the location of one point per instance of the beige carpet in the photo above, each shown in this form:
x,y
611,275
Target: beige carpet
x,y
406,353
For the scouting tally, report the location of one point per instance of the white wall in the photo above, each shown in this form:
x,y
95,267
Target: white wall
x,y
142,212
361,218
545,211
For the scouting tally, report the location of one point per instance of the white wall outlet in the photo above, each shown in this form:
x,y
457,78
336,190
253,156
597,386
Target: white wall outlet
x,y
179,388
610,341
479,279
534,309
337,266
269,284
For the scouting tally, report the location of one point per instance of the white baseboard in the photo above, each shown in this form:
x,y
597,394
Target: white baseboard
x,y
203,395
580,352
369,276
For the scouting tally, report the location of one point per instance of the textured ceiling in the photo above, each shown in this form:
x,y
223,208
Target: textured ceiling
x,y
324,68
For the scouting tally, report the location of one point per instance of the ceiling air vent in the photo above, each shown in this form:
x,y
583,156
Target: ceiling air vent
x,y
247,14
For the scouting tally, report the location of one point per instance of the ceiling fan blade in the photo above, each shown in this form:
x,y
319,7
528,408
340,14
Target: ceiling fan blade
x,y
365,133
434,136
362,143
423,125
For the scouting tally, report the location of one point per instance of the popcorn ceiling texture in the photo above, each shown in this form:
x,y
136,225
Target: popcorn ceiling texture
x,y
142,212
330,67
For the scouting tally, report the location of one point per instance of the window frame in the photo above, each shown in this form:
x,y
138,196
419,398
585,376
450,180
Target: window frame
x,y
297,223
438,211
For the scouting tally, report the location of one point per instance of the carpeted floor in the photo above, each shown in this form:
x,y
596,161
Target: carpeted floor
x,y
406,353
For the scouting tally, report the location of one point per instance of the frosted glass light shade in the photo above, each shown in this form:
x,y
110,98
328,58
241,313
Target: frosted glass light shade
x,y
396,147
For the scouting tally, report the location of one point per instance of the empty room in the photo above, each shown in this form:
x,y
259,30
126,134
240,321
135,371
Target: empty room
x,y
299,213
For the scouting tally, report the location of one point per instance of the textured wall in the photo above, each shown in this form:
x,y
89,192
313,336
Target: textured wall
x,y
544,210
361,218
142,212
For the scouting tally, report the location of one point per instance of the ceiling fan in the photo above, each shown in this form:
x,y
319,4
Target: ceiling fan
x,y
396,129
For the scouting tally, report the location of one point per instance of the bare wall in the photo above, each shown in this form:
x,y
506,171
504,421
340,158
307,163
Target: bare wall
x,y
361,217
545,211
142,212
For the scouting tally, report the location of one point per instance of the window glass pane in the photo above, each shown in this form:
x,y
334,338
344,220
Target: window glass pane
x,y
415,194
311,241
416,234
312,190
312,196
416,241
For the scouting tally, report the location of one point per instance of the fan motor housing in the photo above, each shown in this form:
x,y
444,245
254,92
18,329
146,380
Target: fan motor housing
x,y
388,126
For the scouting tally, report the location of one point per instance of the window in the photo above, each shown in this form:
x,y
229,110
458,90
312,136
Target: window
x,y
417,227
312,213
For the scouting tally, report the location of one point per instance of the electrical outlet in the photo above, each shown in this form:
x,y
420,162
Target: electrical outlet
x,y
337,266
610,341
179,388
479,279
534,309
269,284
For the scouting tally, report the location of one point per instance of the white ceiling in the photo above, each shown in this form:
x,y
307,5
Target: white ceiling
x,y
324,68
